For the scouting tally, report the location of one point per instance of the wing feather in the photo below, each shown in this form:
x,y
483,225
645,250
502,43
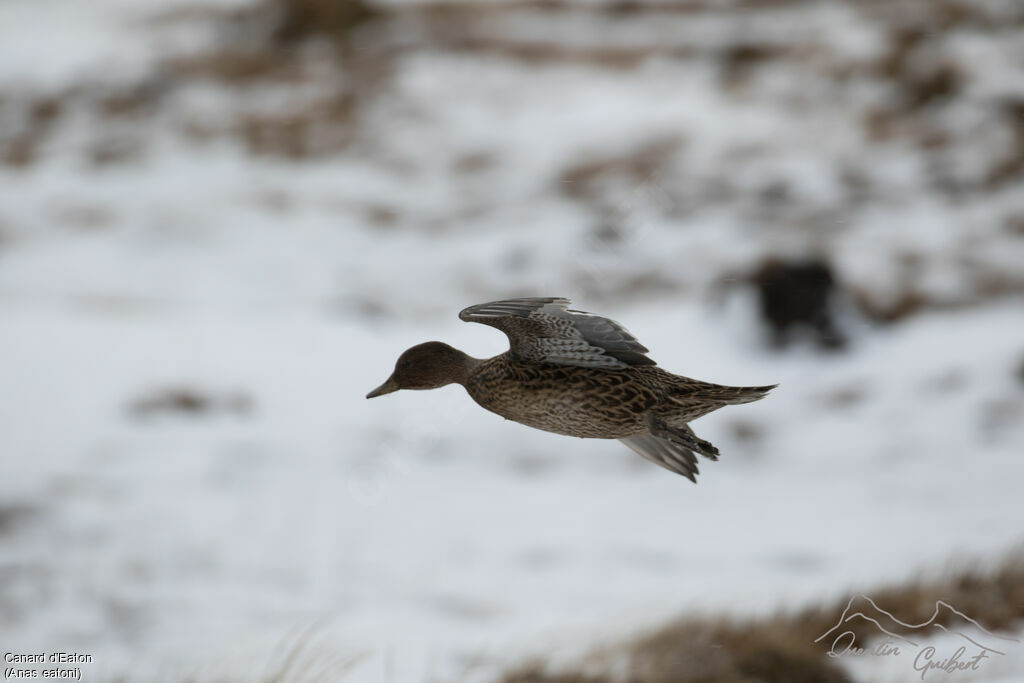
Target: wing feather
x,y
545,330
671,456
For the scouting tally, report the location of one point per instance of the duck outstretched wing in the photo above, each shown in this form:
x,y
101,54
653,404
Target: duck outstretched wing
x,y
545,330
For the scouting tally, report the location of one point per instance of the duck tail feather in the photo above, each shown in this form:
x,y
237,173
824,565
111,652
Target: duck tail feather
x,y
737,395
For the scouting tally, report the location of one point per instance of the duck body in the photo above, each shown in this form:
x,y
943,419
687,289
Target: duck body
x,y
585,402
590,403
576,374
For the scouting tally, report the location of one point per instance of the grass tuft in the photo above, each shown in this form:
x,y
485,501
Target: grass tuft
x,y
782,648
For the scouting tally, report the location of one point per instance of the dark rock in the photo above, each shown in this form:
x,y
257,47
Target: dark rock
x,y
798,296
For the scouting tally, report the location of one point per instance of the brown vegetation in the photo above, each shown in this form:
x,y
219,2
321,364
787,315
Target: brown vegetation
x,y
236,65
191,402
13,515
335,19
782,648
636,167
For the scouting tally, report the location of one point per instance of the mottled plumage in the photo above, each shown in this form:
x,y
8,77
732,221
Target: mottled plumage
x,y
578,374
546,331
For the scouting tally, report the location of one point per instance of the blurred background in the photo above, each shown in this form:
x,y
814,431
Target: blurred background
x,y
222,220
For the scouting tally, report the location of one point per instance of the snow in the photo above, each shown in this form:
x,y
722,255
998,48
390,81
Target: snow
x,y
416,533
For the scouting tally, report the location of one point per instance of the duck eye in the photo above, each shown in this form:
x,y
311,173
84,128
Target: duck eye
x,y
406,365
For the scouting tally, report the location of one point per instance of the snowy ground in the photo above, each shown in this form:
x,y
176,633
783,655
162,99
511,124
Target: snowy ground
x,y
418,533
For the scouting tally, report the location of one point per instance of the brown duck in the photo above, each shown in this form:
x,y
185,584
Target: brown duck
x,y
578,374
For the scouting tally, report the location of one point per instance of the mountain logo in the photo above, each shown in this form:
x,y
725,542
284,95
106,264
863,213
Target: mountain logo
x,y
971,645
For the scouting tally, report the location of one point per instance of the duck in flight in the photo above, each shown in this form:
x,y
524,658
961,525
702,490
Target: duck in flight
x,y
577,374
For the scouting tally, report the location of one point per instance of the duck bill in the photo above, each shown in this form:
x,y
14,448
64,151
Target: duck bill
x,y
386,388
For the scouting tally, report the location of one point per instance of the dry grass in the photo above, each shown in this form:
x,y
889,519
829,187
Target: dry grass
x,y
296,20
186,401
782,648
260,42
907,301
264,43
236,65
263,46
589,178
13,516
728,651
925,81
993,598
535,673
19,151
36,117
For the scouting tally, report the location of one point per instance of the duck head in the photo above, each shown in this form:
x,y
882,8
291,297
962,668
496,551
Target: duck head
x,y
426,366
